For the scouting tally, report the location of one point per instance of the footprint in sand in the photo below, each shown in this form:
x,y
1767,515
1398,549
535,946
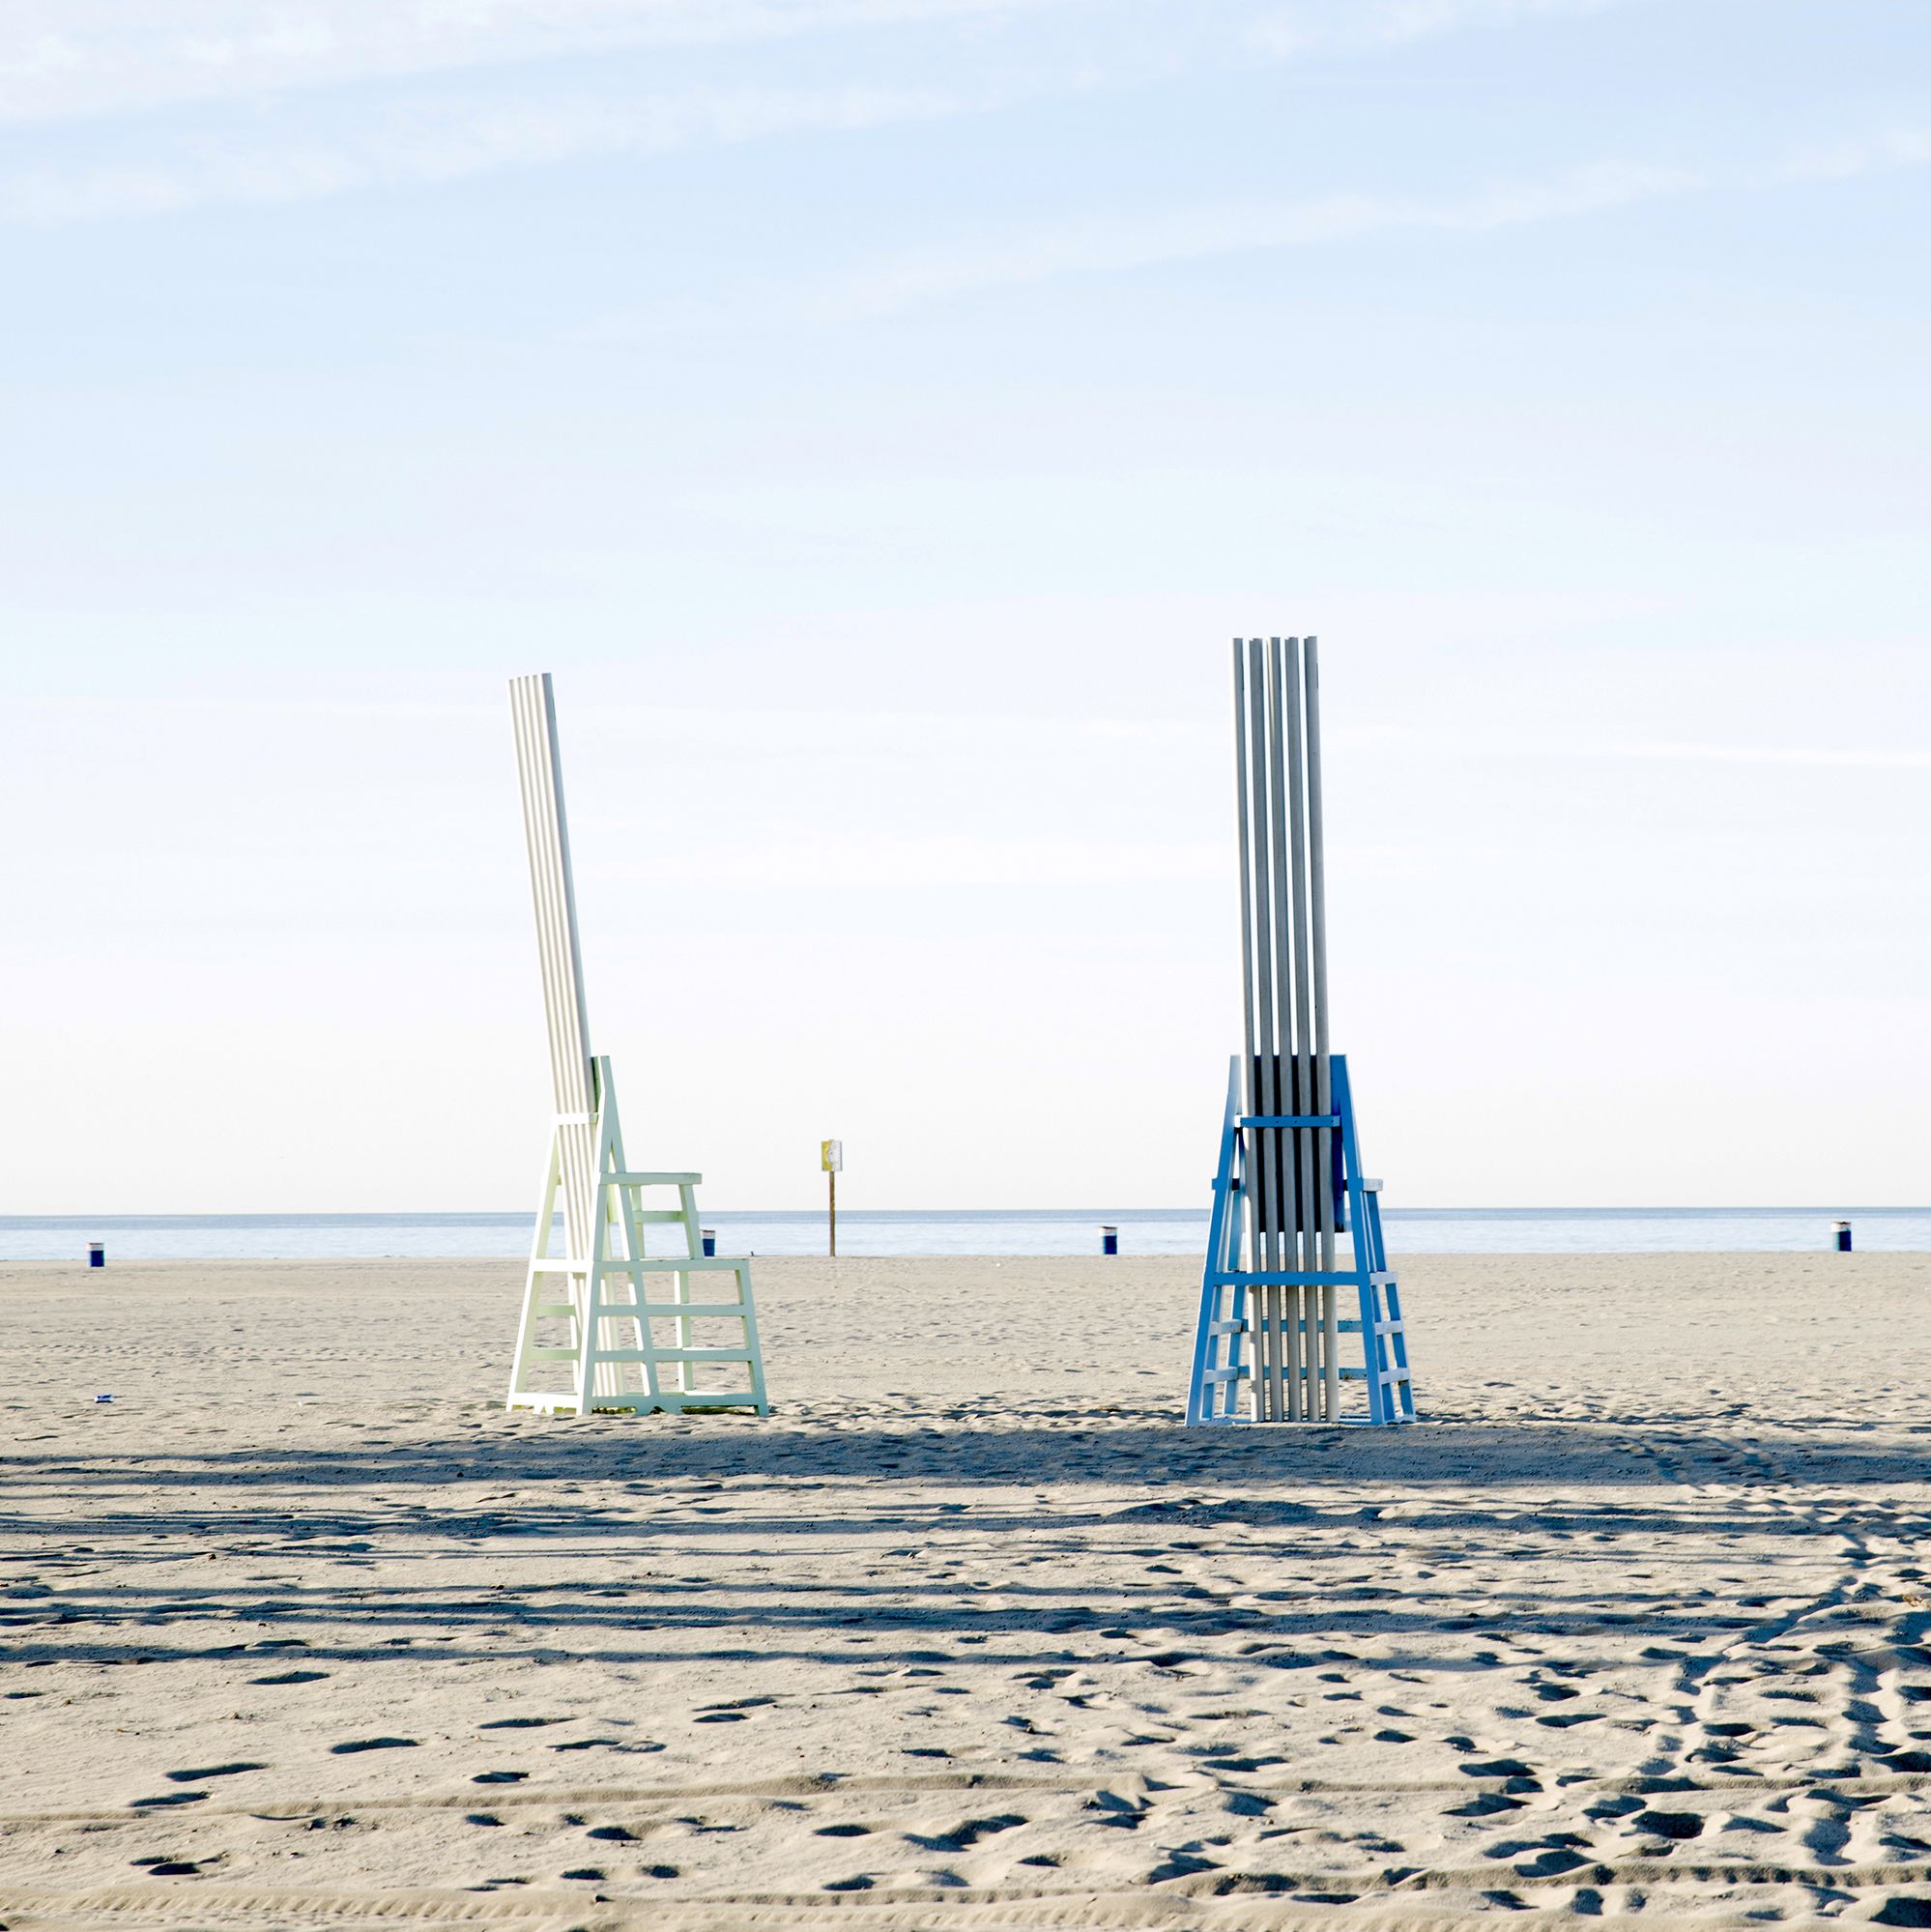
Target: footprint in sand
x,y
1669,1824
498,1777
1487,1805
1124,1813
212,1770
350,1745
843,1832
962,1837
733,1713
291,1677
520,1723
1183,1864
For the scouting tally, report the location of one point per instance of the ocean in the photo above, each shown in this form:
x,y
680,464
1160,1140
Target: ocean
x,y
1416,1230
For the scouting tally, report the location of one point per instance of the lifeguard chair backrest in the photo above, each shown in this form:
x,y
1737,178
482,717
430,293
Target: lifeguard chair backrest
x,y
532,709
1280,1204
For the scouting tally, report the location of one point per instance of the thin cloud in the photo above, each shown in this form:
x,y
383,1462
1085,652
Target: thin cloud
x,y
421,148
1194,234
840,859
700,728
1123,243
75,59
1881,153
800,859
80,60
63,60
1867,757
1396,23
1118,244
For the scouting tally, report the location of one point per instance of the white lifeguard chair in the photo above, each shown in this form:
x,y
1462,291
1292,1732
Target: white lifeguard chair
x,y
591,1338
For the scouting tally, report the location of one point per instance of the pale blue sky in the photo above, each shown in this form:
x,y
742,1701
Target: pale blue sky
x,y
879,414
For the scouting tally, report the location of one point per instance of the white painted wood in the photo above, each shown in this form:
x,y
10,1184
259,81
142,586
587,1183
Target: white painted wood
x,y
1244,815
1317,909
533,711
1303,1025
1282,1140
1267,1379
617,1361
1296,1369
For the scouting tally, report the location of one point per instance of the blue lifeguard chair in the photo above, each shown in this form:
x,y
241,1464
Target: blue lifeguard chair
x,y
1229,1307
1269,1343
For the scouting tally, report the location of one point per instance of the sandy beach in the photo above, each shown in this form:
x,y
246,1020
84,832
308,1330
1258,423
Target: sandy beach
x,y
303,1629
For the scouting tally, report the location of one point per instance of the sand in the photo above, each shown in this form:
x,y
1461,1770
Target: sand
x,y
302,1630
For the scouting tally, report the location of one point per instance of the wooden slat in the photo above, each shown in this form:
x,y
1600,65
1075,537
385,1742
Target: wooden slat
x,y
674,1311
677,1264
560,957
672,1355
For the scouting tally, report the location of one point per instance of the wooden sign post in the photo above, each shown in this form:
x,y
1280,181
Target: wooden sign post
x,y
832,1158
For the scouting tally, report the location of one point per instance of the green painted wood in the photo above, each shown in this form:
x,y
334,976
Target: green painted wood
x,y
620,1365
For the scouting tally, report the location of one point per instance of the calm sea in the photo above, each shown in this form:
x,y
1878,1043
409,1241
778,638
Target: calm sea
x,y
1428,1230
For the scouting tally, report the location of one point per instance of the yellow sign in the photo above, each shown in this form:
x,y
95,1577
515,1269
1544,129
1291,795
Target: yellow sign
x,y
832,1156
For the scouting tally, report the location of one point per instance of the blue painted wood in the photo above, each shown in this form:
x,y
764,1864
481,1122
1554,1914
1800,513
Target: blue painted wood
x,y
1220,1356
1219,1339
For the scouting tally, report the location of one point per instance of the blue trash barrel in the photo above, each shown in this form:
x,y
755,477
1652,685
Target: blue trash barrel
x,y
1843,1237
710,1243
97,1254
1109,1240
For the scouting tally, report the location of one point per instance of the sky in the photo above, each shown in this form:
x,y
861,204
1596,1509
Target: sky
x,y
880,415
